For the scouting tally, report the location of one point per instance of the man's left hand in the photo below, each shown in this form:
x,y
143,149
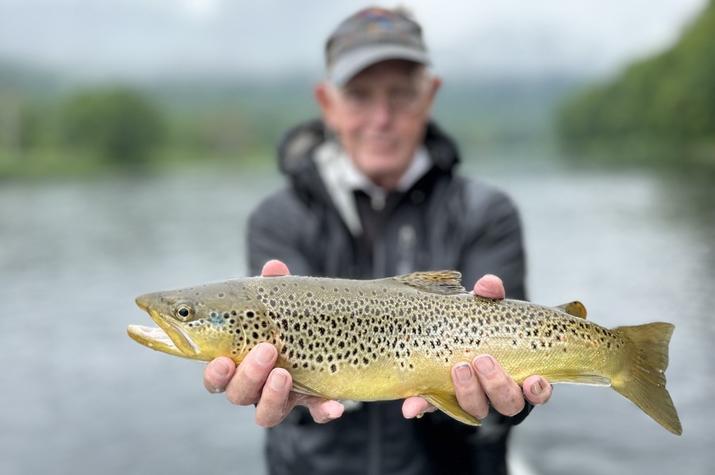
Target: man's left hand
x,y
483,382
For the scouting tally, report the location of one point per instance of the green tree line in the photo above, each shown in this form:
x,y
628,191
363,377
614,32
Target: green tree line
x,y
90,129
662,106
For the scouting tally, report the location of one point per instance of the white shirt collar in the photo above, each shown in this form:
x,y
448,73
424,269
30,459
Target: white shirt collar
x,y
356,180
341,178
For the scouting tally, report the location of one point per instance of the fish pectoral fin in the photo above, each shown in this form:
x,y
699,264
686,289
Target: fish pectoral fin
x,y
445,282
448,404
303,389
575,309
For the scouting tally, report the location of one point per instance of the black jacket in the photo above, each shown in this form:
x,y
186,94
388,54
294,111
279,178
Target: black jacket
x,y
442,222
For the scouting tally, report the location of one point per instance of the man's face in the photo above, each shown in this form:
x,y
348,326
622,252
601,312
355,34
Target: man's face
x,y
380,117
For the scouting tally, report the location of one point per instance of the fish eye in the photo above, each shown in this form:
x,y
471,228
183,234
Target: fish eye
x,y
184,312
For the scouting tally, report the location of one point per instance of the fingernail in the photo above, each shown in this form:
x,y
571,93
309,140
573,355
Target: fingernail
x,y
537,388
333,412
464,373
485,364
264,355
278,381
221,370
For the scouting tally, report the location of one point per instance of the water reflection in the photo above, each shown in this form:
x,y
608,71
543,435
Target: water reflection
x,y
634,247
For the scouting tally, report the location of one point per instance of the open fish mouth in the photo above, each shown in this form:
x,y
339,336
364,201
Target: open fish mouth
x,y
154,338
168,338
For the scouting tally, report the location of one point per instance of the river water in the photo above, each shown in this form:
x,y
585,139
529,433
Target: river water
x,y
78,396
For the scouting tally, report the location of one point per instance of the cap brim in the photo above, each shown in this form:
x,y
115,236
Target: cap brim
x,y
353,62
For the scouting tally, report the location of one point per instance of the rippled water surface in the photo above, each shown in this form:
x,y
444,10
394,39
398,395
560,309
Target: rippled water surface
x,y
81,397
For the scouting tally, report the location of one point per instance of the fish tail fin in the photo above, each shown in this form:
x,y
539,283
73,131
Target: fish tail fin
x,y
642,379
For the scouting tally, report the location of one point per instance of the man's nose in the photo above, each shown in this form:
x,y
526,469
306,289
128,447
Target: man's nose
x,y
382,111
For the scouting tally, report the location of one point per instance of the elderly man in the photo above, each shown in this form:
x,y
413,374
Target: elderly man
x,y
372,192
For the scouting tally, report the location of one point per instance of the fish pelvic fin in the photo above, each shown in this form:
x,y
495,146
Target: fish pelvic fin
x,y
303,389
445,282
643,378
575,309
448,404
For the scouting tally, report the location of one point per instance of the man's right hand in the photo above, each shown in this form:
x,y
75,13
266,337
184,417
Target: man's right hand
x,y
256,380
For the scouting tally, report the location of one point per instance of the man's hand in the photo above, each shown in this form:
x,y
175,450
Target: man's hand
x,y
483,382
256,381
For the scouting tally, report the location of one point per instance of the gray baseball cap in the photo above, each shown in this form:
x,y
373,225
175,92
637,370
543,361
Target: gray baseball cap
x,y
369,36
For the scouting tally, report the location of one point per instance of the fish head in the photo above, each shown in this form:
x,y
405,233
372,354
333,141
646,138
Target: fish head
x,y
200,322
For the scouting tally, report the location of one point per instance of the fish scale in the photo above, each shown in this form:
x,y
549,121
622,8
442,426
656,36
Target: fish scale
x,y
398,337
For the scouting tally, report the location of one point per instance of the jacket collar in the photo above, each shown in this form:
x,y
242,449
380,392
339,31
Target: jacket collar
x,y
298,150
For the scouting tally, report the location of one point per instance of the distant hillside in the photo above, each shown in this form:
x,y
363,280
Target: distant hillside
x,y
27,80
490,113
54,124
663,105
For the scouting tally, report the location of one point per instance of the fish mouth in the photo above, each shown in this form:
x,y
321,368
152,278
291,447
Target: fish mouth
x,y
154,338
168,338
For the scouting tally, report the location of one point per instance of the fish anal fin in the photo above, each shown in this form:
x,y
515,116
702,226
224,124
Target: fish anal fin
x,y
575,309
575,377
448,404
445,282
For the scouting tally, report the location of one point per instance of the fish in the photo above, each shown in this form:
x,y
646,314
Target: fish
x,y
392,338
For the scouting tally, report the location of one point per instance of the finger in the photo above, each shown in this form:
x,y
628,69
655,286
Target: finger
x,y
470,394
490,286
320,409
218,373
274,268
273,405
246,385
537,390
503,393
416,407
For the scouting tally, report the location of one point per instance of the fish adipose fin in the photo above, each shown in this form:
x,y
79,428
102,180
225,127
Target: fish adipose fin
x,y
643,378
448,404
445,282
575,309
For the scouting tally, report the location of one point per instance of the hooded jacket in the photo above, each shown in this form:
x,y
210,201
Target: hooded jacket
x,y
443,221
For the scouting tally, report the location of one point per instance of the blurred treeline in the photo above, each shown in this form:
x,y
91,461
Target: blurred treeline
x,y
52,125
659,108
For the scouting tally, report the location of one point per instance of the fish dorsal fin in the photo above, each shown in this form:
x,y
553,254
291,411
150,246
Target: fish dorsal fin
x,y
575,309
445,282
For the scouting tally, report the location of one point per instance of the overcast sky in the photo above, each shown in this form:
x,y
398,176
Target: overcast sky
x,y
148,38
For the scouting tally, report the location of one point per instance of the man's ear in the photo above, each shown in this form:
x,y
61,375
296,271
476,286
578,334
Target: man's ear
x,y
326,102
434,85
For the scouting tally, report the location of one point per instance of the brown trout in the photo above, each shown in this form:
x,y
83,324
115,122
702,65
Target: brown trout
x,y
398,337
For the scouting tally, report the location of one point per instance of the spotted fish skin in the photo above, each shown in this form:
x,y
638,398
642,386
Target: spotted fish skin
x,y
398,337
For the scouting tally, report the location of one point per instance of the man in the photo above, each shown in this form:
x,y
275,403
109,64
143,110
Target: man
x,y
372,193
